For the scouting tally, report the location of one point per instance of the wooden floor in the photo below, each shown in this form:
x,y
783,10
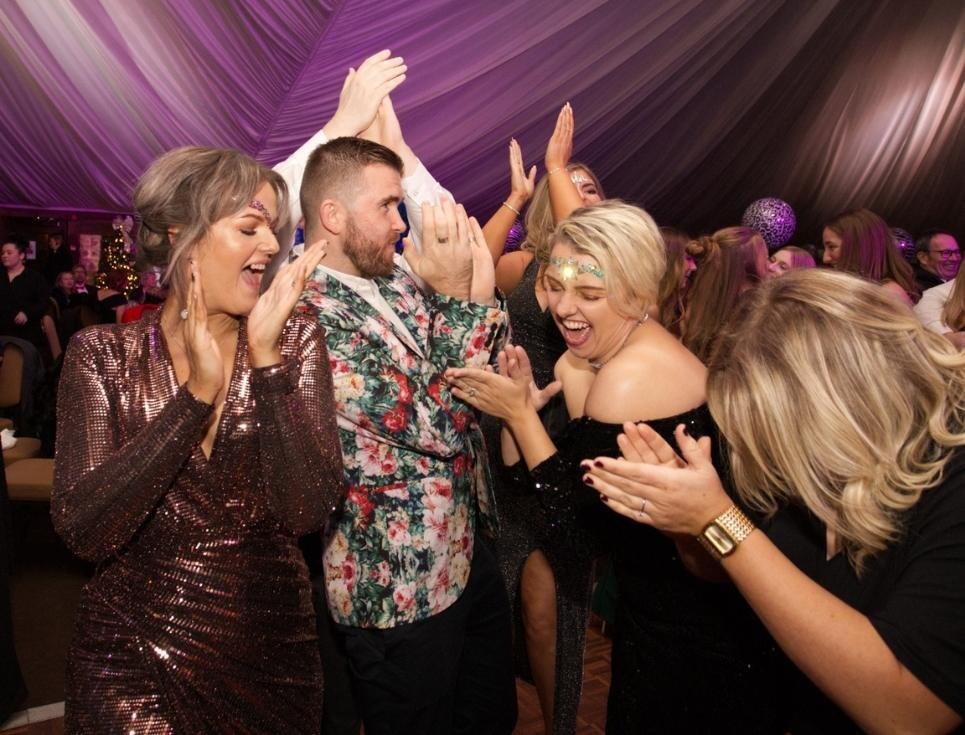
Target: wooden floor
x,y
591,718
596,685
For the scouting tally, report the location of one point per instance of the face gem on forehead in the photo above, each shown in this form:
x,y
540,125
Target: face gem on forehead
x,y
257,204
571,268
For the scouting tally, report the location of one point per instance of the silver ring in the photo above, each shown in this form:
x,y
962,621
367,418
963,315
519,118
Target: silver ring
x,y
472,392
183,314
643,506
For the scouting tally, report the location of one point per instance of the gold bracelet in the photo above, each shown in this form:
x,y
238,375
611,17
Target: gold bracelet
x,y
511,208
556,170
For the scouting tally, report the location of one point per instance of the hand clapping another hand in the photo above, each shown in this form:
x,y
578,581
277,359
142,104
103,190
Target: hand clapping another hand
x,y
275,305
497,395
452,258
513,363
652,485
363,92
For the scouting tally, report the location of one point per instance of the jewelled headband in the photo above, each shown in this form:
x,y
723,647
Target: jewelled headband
x,y
571,268
257,204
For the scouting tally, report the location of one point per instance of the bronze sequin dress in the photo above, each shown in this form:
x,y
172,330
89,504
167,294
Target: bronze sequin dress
x,y
199,617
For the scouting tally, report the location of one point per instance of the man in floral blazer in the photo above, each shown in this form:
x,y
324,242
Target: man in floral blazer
x,y
417,597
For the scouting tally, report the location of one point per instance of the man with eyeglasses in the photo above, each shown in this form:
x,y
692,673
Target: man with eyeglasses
x,y
938,258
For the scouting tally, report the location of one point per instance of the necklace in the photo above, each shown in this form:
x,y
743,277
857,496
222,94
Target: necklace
x,y
601,363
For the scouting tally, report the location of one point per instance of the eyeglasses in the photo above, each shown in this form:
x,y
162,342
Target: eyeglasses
x,y
948,254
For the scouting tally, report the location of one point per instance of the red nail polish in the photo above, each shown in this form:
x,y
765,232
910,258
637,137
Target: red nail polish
x,y
597,463
588,480
604,498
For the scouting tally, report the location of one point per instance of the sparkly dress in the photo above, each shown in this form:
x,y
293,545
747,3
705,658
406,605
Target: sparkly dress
x,y
688,656
523,526
199,617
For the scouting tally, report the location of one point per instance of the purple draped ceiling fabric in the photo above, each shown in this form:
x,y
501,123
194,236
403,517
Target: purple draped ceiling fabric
x,y
692,108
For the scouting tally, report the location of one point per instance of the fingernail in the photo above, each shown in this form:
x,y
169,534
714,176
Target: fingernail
x,y
597,463
604,498
587,479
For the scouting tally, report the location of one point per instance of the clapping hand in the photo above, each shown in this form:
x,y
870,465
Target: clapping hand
x,y
651,484
513,363
275,305
205,364
363,92
452,258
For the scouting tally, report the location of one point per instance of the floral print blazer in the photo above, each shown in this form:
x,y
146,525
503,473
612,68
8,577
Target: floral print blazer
x,y
400,541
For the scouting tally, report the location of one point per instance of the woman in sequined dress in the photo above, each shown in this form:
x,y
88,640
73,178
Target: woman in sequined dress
x,y
688,654
206,444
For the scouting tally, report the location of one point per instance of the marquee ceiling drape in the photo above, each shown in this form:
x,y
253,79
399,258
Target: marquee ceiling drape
x,y
692,108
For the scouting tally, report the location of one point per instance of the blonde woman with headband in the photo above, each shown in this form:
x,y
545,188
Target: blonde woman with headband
x,y
859,570
688,654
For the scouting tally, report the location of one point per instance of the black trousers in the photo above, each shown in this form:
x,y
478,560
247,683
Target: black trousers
x,y
451,674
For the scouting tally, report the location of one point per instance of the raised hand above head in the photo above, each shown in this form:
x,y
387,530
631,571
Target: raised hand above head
x,y
559,149
363,91
521,184
275,305
387,130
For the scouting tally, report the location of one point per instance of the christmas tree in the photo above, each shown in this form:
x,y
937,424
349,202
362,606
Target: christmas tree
x,y
116,269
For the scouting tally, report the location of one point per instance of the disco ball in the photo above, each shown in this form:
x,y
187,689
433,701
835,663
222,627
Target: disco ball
x,y
773,218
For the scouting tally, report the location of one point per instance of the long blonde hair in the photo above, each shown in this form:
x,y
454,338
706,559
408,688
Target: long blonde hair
x,y
851,408
953,313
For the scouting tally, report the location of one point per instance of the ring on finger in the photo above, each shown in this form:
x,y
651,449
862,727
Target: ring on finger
x,y
643,505
472,392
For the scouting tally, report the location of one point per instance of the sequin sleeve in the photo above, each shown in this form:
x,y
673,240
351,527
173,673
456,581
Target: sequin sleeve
x,y
103,491
298,436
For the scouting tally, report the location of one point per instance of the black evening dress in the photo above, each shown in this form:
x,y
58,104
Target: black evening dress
x,y
689,656
523,527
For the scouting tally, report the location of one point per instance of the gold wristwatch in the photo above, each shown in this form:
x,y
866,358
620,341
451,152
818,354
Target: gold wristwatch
x,y
725,532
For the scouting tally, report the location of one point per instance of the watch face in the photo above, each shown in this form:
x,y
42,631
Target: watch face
x,y
719,539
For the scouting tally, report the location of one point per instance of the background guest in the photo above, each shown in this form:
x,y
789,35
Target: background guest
x,y
788,258
860,242
938,258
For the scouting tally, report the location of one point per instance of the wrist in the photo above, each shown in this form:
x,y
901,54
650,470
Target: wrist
x,y
205,393
339,127
724,533
264,357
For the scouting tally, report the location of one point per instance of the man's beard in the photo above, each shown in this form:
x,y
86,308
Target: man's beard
x,y
368,257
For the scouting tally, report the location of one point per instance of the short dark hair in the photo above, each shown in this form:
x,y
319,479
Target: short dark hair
x,y
923,243
335,168
18,240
